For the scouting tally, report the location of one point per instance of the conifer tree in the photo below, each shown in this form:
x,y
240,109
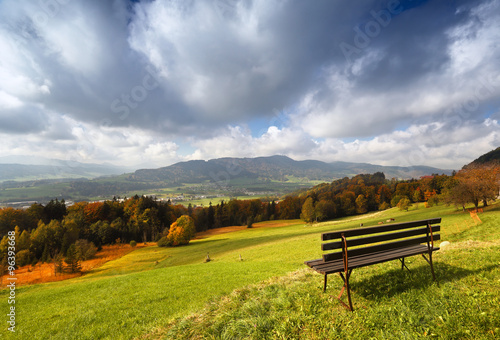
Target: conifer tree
x,y
72,261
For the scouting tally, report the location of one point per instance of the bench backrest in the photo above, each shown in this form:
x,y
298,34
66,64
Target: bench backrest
x,y
380,238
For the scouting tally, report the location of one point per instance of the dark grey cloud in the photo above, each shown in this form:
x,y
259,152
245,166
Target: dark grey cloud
x,y
22,121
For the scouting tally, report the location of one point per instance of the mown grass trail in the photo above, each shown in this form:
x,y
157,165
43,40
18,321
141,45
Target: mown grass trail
x,y
143,292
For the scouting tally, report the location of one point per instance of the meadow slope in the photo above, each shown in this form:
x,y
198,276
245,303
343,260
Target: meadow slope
x,y
172,293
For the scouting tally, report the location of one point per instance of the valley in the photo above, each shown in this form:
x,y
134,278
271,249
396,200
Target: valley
x,y
197,182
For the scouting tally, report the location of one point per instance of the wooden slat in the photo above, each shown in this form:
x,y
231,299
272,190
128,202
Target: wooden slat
x,y
313,263
380,247
332,256
390,245
378,229
378,238
364,260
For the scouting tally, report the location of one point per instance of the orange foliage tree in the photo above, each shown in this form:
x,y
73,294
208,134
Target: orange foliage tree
x,y
477,184
180,232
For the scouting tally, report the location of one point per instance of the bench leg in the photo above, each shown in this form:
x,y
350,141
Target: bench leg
x,y
324,286
430,263
403,265
346,286
349,291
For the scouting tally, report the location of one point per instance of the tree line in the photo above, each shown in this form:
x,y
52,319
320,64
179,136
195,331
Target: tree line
x,y
47,232
363,193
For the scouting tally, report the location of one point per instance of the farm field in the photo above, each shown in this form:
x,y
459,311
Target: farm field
x,y
106,188
172,293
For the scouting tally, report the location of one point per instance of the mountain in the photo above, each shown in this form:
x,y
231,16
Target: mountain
x,y
492,157
273,168
30,168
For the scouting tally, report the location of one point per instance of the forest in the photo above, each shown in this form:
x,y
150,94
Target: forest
x,y
48,232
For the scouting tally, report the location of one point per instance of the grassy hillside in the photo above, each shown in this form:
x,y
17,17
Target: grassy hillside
x,y
389,303
157,292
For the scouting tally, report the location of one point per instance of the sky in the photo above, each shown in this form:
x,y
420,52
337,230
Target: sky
x,y
151,83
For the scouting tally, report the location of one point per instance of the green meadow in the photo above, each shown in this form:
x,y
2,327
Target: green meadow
x,y
173,293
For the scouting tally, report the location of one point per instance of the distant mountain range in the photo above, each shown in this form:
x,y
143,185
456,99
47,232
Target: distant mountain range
x,y
273,168
35,168
198,171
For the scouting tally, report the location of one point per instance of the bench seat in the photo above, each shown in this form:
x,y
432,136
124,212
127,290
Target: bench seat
x,y
359,261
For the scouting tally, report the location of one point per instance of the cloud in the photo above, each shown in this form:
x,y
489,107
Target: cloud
x,y
421,73
142,82
22,120
430,144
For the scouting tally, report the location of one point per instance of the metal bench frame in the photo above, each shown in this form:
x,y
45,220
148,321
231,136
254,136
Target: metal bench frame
x,y
356,248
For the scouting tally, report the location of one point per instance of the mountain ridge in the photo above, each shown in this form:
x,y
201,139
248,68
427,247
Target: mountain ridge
x,y
277,167
56,169
492,157
274,168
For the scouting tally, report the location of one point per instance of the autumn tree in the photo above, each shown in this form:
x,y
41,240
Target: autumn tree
x,y
324,210
290,208
477,184
180,232
384,195
361,204
308,213
10,218
46,239
404,204
24,241
417,195
348,199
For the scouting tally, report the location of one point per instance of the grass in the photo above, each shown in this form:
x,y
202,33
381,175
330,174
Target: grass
x,y
171,293
389,303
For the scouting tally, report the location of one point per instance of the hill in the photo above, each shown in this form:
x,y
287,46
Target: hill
x,y
172,293
492,157
273,168
21,180
38,168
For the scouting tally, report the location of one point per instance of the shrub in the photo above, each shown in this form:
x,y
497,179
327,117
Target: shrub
x,y
164,242
384,206
133,243
432,201
24,257
85,250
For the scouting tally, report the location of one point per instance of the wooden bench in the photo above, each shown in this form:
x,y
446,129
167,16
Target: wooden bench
x,y
356,248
